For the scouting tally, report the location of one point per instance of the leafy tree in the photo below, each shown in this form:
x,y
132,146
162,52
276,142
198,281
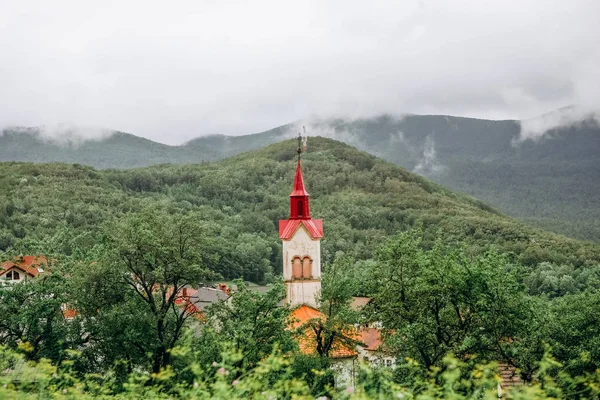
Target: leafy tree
x,y
134,289
440,301
32,317
575,331
253,323
335,327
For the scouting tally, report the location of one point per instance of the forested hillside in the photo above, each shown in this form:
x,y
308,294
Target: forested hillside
x,y
362,199
550,183
453,283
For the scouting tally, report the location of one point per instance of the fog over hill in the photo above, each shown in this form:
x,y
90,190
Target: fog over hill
x,y
543,170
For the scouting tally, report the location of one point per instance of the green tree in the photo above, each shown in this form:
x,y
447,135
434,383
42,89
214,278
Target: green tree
x,y
32,317
440,301
575,331
254,323
336,328
135,287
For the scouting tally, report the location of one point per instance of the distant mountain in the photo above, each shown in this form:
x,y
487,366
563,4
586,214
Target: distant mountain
x,y
552,181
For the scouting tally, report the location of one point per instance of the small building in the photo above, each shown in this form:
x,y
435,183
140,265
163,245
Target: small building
x,y
205,296
343,357
195,301
371,351
22,268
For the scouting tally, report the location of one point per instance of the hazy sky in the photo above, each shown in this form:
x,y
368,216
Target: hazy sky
x,y
174,70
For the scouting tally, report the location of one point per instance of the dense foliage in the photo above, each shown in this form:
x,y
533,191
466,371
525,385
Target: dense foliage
x,y
363,200
551,182
273,378
454,285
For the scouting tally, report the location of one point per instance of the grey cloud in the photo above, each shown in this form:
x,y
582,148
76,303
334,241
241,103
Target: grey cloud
x,y
171,72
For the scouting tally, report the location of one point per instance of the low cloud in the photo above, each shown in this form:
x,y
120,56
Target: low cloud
x,y
65,135
231,67
428,164
573,116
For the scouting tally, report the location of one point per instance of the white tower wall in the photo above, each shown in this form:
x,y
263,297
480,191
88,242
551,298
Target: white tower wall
x,y
302,290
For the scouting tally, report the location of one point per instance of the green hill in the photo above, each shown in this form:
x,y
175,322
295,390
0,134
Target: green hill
x,y
362,199
552,183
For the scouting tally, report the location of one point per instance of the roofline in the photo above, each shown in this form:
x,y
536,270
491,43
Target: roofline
x,y
13,267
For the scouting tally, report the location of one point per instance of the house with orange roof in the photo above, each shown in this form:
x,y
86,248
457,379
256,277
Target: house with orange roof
x,y
371,350
22,268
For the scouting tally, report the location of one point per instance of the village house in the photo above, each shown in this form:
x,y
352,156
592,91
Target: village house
x,y
22,268
196,301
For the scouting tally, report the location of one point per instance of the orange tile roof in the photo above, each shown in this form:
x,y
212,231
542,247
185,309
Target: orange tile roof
x,y
69,313
306,339
371,337
303,314
27,264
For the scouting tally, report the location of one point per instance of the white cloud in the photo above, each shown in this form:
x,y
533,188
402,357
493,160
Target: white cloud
x,y
174,71
428,164
537,127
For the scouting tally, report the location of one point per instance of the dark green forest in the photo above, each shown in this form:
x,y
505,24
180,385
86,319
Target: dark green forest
x,y
363,200
551,182
457,285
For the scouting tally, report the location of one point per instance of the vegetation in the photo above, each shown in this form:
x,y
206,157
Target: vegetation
x,y
455,285
363,199
274,378
551,183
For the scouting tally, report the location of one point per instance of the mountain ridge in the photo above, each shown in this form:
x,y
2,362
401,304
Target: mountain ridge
x,y
363,199
551,182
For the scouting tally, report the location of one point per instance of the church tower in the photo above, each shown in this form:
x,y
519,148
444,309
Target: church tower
x,y
301,236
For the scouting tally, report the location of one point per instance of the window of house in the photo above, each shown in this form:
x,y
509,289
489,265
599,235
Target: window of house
x,y
388,362
300,208
12,275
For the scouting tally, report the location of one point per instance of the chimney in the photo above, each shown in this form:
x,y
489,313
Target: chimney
x,y
223,287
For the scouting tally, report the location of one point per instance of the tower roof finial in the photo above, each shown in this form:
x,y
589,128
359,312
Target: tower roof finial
x,y
301,142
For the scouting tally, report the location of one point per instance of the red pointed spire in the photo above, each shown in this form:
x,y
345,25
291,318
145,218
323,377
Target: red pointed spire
x,y
299,183
299,198
300,211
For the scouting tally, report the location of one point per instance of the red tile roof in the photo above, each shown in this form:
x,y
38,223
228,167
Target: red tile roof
x,y
288,227
69,313
31,265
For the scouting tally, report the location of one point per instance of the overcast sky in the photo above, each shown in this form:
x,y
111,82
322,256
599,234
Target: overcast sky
x,y
171,71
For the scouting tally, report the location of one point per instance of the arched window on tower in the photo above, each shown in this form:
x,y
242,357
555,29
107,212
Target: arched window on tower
x,y
297,268
306,268
300,208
